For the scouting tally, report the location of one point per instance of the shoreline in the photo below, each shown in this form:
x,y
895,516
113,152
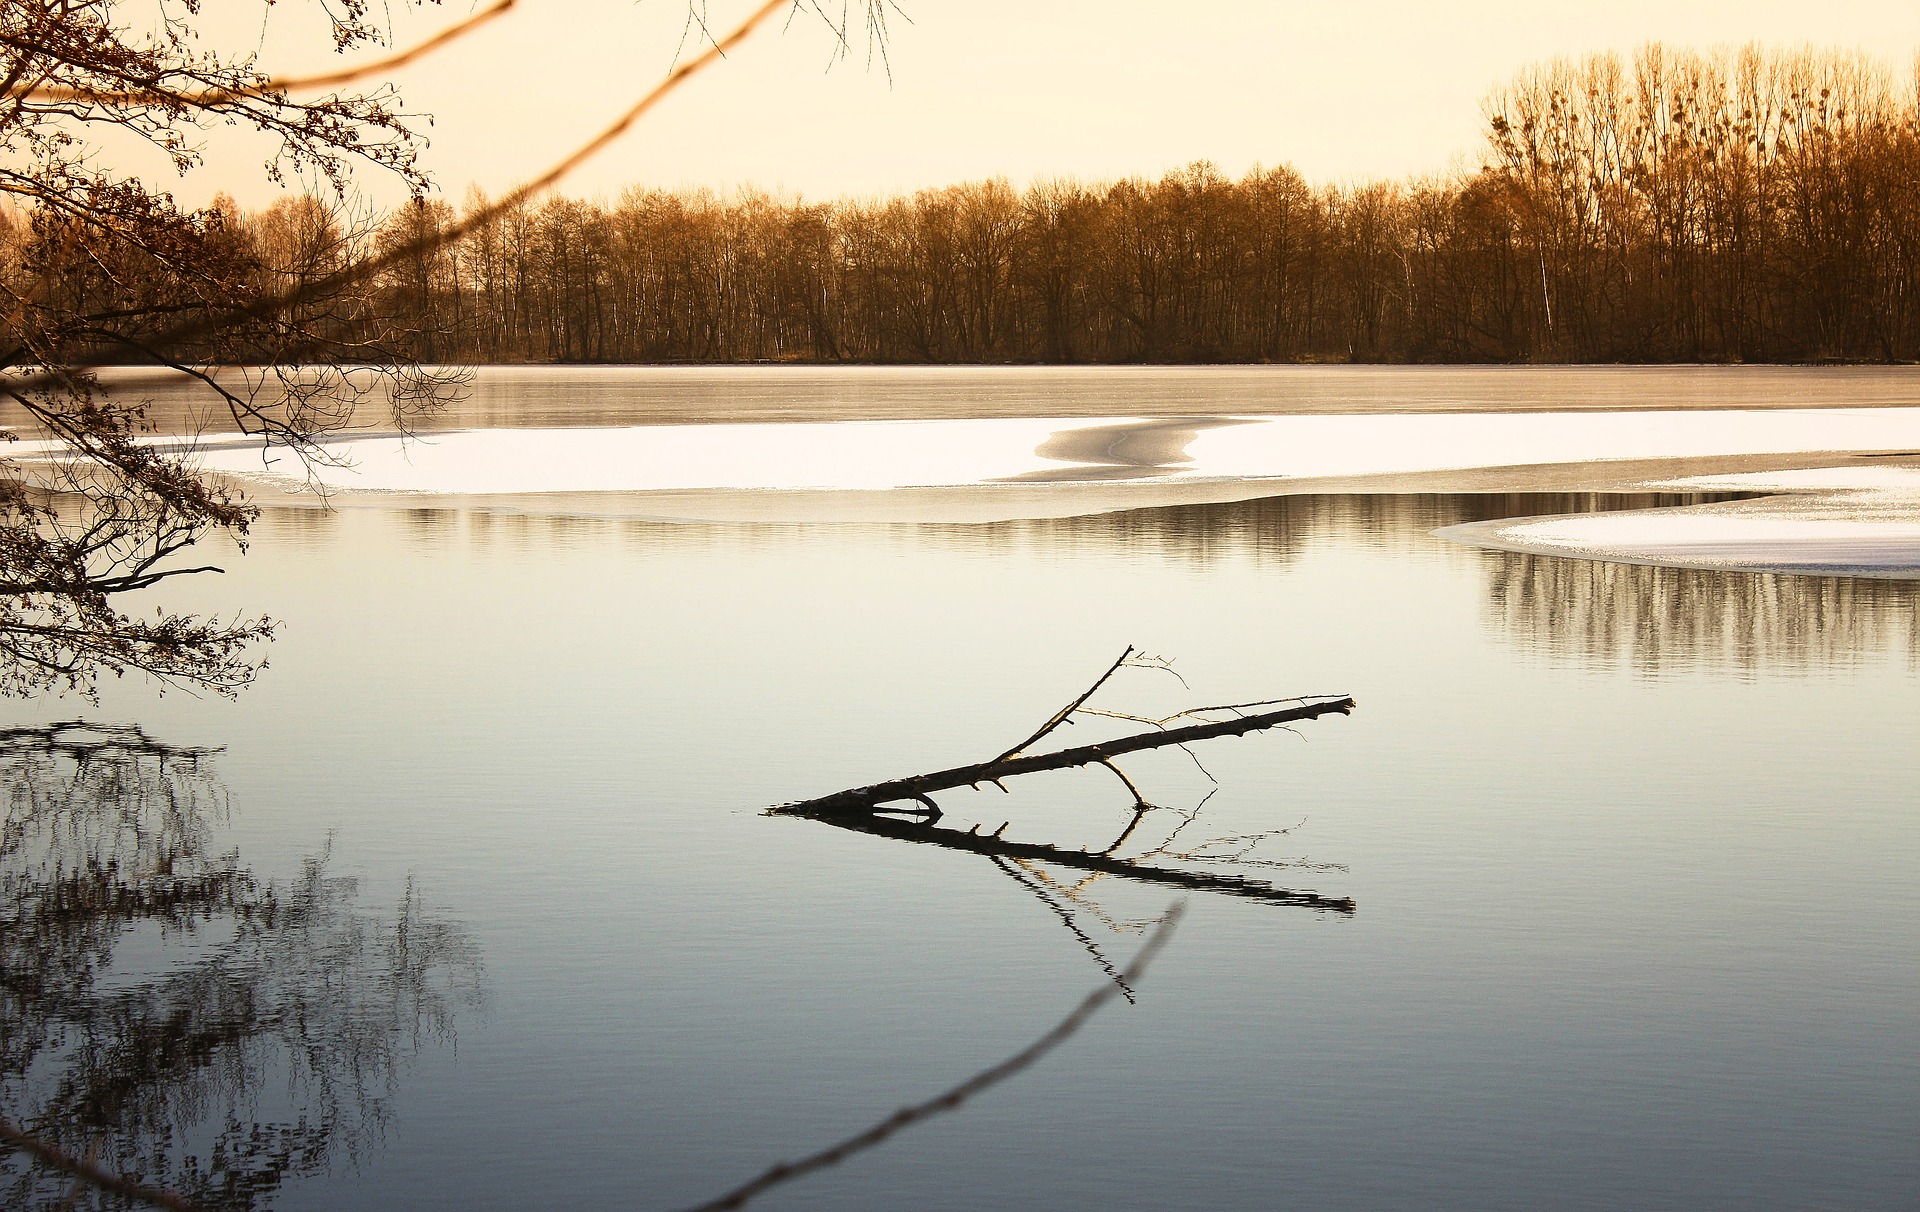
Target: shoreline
x,y
576,395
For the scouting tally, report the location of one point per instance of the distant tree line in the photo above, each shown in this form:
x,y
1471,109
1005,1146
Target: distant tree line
x,y
1743,206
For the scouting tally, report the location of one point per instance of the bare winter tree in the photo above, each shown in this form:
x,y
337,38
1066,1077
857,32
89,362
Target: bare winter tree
x,y
101,269
98,268
1751,205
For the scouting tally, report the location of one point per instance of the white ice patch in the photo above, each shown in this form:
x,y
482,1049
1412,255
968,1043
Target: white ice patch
x,y
868,455
1809,479
1382,445
1703,528
846,455
1852,519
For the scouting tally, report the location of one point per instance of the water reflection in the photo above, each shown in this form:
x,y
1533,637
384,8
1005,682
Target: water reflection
x,y
1610,614
1279,530
1267,531
311,525
169,1015
1066,899
1068,889
430,522
591,396
1141,868
1667,619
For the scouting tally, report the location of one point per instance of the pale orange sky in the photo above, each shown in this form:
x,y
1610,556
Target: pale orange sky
x,y
1089,88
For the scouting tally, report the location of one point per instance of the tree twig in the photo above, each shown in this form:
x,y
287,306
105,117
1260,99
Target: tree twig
x,y
1060,717
270,84
330,283
1017,871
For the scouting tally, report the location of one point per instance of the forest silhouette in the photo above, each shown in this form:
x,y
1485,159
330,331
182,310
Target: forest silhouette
x,y
1754,205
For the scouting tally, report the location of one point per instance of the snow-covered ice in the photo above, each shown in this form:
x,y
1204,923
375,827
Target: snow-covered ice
x,y
1826,515
1860,520
878,455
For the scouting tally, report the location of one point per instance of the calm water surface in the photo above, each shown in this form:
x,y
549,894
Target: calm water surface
x,y
1633,852
544,396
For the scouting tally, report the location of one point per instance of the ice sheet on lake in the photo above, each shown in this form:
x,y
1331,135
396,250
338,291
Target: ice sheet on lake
x,y
851,455
879,455
1809,479
1828,518
1853,520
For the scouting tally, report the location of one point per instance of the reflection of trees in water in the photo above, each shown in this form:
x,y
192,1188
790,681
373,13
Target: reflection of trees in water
x,y
1609,613
1604,613
1654,619
1280,529
169,1016
1271,530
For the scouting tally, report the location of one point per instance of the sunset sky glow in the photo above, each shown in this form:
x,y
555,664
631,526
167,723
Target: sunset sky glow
x,y
1095,90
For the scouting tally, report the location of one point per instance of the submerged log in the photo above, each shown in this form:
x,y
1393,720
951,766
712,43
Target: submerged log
x,y
904,809
863,801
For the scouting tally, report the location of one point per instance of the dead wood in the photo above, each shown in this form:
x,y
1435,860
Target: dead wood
x,y
904,809
1061,716
859,801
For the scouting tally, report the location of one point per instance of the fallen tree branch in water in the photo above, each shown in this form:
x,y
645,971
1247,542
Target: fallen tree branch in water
x,y
951,1100
856,801
881,809
1066,713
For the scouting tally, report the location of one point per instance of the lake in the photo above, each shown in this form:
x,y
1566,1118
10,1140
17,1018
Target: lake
x,y
490,913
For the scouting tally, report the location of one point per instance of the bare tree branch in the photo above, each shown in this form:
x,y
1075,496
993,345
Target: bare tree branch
x,y
856,801
193,330
1060,717
267,85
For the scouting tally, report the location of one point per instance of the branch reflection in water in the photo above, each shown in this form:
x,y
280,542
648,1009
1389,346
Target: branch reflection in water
x,y
168,1015
1140,868
1069,896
